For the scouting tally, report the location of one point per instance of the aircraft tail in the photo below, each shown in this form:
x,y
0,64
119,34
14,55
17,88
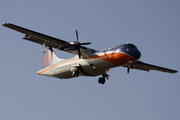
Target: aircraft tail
x,y
49,57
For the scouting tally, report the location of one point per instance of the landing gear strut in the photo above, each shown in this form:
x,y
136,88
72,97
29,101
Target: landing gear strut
x,y
102,79
75,73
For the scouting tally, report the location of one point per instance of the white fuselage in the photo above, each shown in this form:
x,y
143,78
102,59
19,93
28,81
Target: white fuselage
x,y
92,65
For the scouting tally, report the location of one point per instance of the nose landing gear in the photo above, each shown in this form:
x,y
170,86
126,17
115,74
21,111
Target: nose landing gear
x,y
102,79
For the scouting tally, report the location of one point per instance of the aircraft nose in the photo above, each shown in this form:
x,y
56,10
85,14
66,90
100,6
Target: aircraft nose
x,y
138,54
134,53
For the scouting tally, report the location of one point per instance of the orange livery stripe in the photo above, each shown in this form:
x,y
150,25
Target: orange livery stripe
x,y
114,58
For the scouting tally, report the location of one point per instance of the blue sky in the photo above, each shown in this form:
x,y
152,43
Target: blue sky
x,y
153,26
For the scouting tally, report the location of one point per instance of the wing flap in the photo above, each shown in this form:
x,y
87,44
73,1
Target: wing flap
x,y
147,67
39,41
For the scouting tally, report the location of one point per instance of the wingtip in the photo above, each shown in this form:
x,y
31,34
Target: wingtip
x,y
174,71
5,24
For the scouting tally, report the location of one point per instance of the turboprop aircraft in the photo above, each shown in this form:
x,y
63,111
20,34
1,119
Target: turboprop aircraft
x,y
87,62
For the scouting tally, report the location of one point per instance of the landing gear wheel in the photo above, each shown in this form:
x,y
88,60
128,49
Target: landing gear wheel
x,y
101,80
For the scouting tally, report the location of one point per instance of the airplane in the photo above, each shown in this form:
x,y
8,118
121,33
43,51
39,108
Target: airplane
x,y
87,61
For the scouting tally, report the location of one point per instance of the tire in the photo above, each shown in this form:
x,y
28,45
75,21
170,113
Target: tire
x,y
101,80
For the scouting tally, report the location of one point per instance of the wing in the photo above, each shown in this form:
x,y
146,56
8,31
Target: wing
x,y
147,67
47,40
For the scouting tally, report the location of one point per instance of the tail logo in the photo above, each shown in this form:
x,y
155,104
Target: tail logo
x,y
47,58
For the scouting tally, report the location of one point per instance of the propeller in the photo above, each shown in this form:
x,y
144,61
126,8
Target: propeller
x,y
77,36
78,44
130,66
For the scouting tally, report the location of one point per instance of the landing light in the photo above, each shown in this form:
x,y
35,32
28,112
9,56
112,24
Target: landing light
x,y
94,67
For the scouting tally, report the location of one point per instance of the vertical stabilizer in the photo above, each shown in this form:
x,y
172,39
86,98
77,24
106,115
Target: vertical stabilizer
x,y
49,57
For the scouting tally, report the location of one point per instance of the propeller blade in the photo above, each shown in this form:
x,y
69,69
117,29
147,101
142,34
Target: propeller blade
x,y
78,45
77,35
86,43
128,70
79,53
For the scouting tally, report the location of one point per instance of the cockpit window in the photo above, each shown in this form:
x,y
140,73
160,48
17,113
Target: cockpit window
x,y
129,46
125,46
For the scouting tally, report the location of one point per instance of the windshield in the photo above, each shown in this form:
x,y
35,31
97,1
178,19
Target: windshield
x,y
129,46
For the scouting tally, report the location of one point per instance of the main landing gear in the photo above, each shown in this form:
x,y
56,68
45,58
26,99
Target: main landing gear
x,y
75,73
102,79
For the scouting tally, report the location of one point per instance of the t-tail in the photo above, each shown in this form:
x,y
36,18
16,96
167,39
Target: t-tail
x,y
49,57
